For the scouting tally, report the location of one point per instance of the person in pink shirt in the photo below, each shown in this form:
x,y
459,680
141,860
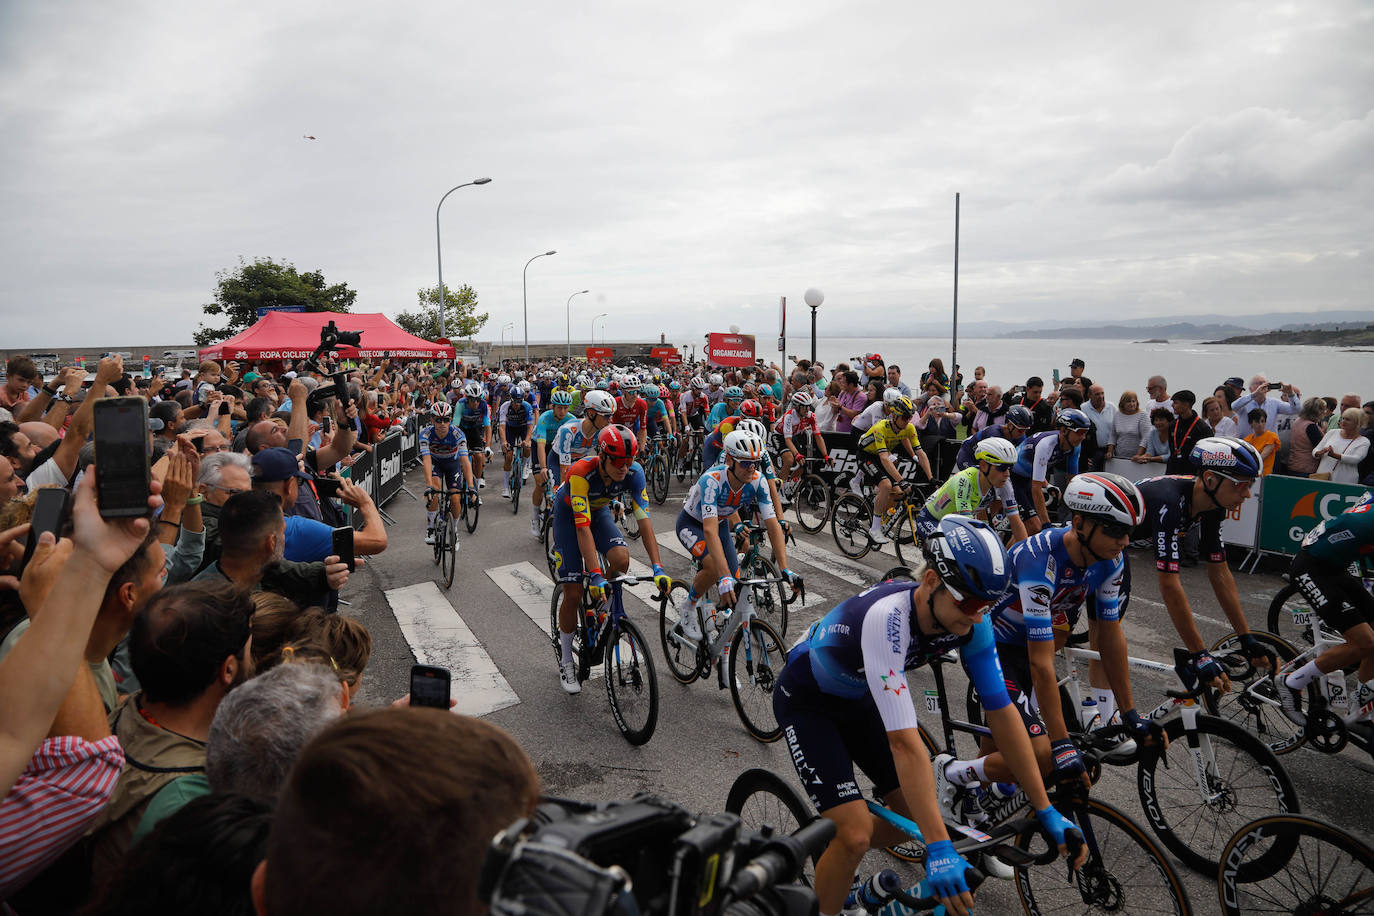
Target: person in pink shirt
x,y
850,402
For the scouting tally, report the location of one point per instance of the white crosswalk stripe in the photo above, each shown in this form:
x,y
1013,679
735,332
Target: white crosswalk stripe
x,y
438,636
532,591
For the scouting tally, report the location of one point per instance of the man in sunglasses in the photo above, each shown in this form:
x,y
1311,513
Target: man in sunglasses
x,y
793,428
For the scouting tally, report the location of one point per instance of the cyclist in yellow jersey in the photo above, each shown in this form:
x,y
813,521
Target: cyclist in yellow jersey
x,y
875,459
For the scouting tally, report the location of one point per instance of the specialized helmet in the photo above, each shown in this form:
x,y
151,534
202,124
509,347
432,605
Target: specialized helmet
x,y
750,408
674,385
630,380
1072,418
561,399
969,558
996,450
648,391
584,381
766,391
1228,456
599,402
742,444
523,387
902,407
440,410
757,427
891,394
519,374
717,379
503,379
698,383
1020,416
473,390
1108,497
804,399
665,392
734,393
617,441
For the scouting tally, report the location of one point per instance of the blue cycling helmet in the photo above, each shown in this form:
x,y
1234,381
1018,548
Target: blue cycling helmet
x,y
1232,458
648,391
969,558
1072,418
561,399
1018,415
674,386
734,393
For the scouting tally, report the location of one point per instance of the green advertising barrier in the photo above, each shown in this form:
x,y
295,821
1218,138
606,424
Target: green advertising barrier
x,y
1293,506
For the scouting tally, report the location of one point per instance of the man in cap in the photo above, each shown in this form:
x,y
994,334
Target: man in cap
x,y
1076,373
278,470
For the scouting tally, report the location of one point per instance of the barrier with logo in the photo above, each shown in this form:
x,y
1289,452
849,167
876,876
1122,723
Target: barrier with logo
x,y
386,457
361,473
410,441
1293,506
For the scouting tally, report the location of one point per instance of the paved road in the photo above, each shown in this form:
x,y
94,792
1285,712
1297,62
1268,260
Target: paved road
x,y
490,629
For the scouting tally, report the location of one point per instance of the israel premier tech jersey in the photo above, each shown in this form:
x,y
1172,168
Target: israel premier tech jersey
x,y
1049,590
868,642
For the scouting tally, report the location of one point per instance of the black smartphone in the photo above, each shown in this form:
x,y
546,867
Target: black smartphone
x,y
343,546
49,512
327,487
224,407
326,424
429,686
122,472
1275,386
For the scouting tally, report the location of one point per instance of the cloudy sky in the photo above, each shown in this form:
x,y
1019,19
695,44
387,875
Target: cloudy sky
x,y
689,162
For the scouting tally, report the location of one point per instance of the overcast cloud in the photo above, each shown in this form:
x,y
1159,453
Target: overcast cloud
x,y
689,162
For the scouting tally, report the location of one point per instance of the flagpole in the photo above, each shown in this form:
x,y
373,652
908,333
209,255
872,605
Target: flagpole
x,y
954,355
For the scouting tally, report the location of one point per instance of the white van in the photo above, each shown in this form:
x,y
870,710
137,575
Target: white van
x,y
179,354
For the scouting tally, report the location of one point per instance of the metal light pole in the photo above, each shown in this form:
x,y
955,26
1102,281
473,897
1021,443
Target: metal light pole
x,y
568,317
511,325
524,295
813,298
603,328
439,248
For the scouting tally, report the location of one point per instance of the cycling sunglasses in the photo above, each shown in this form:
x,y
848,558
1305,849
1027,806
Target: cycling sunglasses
x,y
621,462
1114,529
747,463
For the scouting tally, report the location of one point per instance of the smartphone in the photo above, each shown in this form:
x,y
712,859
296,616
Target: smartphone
x,y
326,424
122,472
49,512
327,487
429,686
224,408
1275,386
343,546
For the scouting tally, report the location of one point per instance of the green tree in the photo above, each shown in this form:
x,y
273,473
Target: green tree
x,y
461,318
239,293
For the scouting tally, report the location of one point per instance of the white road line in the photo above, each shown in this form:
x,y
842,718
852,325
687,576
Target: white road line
x,y
841,567
438,636
529,587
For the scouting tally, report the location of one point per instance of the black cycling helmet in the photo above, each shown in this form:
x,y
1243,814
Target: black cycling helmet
x,y
1018,415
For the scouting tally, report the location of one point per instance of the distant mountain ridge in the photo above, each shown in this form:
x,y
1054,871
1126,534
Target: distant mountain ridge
x,y
1174,327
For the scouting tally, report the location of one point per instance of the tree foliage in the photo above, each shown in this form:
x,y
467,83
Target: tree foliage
x,y
461,318
239,293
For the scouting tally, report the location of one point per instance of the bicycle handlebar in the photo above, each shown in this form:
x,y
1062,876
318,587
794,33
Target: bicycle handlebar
x,y
972,877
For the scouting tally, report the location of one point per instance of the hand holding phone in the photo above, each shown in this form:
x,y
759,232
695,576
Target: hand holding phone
x,y
122,471
49,512
343,547
1275,386
430,686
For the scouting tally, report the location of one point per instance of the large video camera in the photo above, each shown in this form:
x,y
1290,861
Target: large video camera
x,y
331,337
646,856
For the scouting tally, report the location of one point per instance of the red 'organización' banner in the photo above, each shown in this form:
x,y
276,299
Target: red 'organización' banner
x,y
730,349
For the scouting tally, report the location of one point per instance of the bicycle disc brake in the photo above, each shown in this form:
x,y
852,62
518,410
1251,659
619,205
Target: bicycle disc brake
x,y
1100,888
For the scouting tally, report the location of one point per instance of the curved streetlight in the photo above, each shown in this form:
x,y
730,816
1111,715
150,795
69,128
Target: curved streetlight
x,y
813,297
511,325
524,295
439,248
603,328
568,317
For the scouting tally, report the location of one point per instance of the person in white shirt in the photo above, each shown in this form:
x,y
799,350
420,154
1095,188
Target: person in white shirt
x,y
1289,402
1103,415
1158,390
1214,412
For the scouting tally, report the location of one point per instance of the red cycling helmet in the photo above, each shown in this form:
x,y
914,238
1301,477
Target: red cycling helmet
x,y
664,393
617,441
750,408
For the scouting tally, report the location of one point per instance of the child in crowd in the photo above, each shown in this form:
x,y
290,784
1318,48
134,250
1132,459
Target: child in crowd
x,y
1265,441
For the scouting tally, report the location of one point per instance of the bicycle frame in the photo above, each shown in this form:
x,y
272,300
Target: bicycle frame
x,y
1332,685
738,616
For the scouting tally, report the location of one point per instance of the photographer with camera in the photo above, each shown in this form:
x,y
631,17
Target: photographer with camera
x,y
1289,401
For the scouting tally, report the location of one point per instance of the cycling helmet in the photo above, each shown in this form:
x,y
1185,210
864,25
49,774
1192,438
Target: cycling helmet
x,y
599,402
630,380
1106,497
666,391
969,558
561,399
519,374
734,393
902,407
648,391
440,410
996,451
523,387
1020,416
1232,458
584,381
698,383
1072,418
766,391
891,394
473,390
751,425
503,379
745,445
804,399
617,441
750,408
458,383
717,379
674,385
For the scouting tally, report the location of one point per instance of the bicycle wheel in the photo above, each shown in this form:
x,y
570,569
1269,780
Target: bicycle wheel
x,y
440,519
625,520
1126,872
761,799
550,547
449,561
756,660
470,509
631,685
1253,703
658,479
1290,617
681,657
812,503
849,521
555,634
1327,871
770,601
904,537
1244,781
517,472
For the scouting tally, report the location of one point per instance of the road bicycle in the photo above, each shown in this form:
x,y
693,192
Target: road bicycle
x,y
606,635
517,477
852,517
1291,864
622,510
446,531
747,652
1290,618
655,466
771,601
687,464
810,494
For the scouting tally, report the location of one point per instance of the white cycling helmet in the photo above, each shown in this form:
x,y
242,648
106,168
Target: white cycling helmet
x,y
804,399
503,379
523,387
717,379
698,383
891,394
996,451
473,390
1106,497
744,444
519,374
750,425
599,402
440,410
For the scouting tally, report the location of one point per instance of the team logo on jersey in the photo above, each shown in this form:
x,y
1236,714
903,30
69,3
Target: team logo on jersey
x,y
893,681
579,505
1040,595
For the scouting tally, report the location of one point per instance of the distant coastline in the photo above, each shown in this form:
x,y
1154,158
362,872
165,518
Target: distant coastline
x,y
1154,340
1346,337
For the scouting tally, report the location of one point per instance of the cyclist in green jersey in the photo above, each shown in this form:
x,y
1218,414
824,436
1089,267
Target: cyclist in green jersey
x,y
976,490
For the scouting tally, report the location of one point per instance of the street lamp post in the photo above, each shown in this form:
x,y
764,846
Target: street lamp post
x,y
439,248
524,295
813,298
603,328
568,317
511,325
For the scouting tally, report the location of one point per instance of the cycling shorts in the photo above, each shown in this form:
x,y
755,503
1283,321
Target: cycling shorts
x,y
871,466
711,449
1338,598
657,428
692,535
449,471
827,735
1016,674
1021,486
568,554
697,421
926,524
475,436
515,435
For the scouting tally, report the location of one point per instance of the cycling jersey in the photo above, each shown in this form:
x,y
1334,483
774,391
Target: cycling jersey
x,y
959,495
570,445
549,425
635,415
1049,590
884,437
516,413
443,448
467,416
1039,452
656,410
868,416
712,497
791,424
1347,537
690,406
965,457
718,413
1169,513
585,491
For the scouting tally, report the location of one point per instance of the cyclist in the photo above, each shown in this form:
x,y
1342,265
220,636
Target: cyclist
x,y
716,502
714,391
727,406
1014,426
658,418
573,441
516,421
544,463
711,446
583,527
630,409
768,400
798,422
443,455
983,488
473,419
1038,454
875,459
1339,599
875,411
1054,574
843,699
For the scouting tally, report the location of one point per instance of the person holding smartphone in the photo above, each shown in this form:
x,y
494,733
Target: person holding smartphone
x,y
1288,401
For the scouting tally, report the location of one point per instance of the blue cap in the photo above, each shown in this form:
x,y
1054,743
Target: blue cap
x,y
273,465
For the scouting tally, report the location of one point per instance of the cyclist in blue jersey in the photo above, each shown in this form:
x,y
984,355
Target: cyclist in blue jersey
x,y
717,501
843,699
517,427
444,456
1038,454
711,446
728,405
1014,426
473,419
657,415
574,441
544,463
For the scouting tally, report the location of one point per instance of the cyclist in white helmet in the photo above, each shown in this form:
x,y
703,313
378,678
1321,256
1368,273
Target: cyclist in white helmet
x,y
979,491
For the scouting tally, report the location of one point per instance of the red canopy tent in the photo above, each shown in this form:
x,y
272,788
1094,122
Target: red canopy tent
x,y
295,335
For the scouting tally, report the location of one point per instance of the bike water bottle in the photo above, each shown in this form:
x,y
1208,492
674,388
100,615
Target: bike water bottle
x,y
1088,713
876,891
